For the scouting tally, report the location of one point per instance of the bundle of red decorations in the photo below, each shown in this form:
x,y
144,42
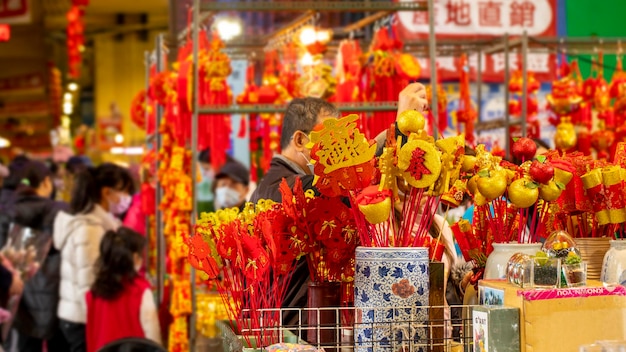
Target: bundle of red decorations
x,y
255,251
394,196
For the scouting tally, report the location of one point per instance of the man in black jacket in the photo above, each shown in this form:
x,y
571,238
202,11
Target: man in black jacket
x,y
301,116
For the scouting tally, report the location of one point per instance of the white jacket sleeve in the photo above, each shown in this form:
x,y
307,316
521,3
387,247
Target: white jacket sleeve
x,y
149,317
87,252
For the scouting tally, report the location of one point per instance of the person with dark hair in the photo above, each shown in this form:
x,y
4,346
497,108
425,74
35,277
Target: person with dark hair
x,y
36,318
120,303
294,161
4,173
205,188
7,196
231,185
99,194
301,116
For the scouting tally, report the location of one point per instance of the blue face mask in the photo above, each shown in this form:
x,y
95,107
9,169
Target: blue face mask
x,y
226,197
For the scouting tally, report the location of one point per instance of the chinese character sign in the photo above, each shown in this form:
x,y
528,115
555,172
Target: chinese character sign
x,y
14,11
462,18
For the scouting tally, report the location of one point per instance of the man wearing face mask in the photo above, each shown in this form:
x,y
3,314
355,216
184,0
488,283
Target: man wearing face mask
x,y
294,161
206,198
301,116
231,185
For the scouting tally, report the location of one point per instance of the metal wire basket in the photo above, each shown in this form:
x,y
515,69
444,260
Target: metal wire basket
x,y
405,329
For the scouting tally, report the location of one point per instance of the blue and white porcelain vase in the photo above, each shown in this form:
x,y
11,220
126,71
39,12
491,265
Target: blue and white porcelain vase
x,y
391,297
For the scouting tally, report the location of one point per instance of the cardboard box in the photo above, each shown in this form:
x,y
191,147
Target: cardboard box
x,y
564,319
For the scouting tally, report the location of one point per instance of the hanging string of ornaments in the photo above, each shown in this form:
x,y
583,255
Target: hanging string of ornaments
x,y
75,36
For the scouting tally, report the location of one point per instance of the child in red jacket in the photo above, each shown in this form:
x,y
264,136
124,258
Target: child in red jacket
x,y
120,303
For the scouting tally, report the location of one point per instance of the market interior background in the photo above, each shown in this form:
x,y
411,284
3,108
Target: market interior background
x,y
118,33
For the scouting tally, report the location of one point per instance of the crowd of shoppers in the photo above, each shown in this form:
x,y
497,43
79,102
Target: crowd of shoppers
x,y
91,271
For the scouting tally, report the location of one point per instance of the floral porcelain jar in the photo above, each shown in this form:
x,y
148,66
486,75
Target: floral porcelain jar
x,y
391,293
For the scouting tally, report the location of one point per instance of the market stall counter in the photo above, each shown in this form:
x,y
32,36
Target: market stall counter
x,y
561,319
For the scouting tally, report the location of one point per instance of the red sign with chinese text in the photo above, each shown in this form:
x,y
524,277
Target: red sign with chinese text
x,y
5,32
14,11
481,18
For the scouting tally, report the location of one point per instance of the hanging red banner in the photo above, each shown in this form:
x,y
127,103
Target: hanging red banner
x,y
482,18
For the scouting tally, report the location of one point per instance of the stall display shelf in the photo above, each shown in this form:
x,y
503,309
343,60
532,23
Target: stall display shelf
x,y
271,108
298,6
340,328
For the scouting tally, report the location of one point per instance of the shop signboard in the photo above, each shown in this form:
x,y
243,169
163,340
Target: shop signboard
x,y
484,19
15,11
27,82
481,18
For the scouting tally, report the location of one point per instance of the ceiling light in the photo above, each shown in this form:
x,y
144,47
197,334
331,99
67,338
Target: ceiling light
x,y
324,35
127,151
228,27
67,96
307,35
68,108
4,143
72,87
119,138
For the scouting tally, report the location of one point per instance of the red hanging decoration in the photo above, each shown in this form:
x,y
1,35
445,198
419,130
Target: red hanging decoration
x,y
466,114
75,40
383,81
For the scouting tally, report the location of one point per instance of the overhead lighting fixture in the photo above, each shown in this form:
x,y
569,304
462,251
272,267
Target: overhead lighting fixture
x,y
228,27
68,108
4,143
72,87
119,138
307,35
67,96
127,151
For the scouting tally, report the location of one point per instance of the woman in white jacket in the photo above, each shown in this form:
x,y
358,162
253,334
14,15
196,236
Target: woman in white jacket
x,y
98,194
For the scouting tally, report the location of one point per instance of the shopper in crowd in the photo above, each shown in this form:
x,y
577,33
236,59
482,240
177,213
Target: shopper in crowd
x,y
10,282
120,303
7,196
294,161
207,171
33,208
231,185
4,173
301,116
99,194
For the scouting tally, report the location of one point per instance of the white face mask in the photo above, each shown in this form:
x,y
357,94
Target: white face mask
x,y
310,165
226,197
121,206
